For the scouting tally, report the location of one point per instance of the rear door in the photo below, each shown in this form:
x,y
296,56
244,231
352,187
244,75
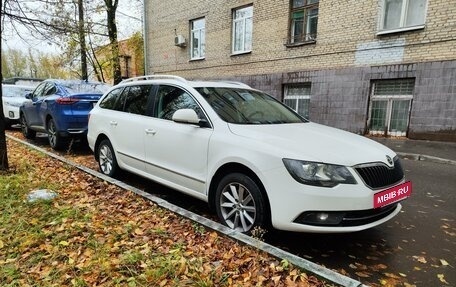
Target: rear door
x,y
127,126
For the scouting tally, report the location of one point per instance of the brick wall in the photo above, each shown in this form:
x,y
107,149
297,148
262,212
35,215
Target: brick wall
x,y
346,37
347,55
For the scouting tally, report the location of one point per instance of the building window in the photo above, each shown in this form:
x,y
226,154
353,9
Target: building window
x,y
303,21
198,38
297,97
403,14
125,63
242,30
390,104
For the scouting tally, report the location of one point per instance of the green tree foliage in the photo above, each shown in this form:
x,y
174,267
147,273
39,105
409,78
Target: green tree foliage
x,y
16,63
136,44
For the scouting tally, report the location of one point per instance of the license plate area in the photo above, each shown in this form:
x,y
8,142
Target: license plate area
x,y
393,194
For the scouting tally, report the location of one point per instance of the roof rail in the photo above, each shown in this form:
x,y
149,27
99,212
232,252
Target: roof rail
x,y
235,83
151,77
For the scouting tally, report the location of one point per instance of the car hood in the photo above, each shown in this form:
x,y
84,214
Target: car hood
x,y
315,142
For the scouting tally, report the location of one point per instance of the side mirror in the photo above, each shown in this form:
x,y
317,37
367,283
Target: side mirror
x,y
188,116
29,96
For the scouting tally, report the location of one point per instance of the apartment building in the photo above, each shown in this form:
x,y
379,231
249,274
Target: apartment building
x,y
381,67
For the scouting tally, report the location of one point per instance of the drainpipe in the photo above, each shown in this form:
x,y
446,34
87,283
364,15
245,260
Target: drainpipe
x,y
145,37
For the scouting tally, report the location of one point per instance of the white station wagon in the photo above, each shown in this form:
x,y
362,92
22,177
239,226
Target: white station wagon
x,y
253,159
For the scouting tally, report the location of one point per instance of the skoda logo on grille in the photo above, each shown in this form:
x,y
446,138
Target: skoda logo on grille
x,y
389,159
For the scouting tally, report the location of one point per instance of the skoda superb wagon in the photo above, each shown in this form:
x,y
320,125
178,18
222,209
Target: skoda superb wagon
x,y
254,160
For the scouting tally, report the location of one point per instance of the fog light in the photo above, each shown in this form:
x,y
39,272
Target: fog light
x,y
320,218
323,216
11,114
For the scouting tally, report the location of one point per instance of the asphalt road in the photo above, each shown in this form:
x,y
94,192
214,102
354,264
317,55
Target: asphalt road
x,y
416,248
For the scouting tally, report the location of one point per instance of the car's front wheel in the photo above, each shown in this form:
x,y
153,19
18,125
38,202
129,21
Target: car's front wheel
x,y
240,204
26,131
107,159
55,139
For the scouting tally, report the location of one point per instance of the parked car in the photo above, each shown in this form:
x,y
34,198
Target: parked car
x,y
253,159
60,108
13,96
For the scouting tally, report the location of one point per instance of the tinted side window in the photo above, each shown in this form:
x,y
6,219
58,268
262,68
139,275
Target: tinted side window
x,y
170,99
39,90
136,99
50,89
112,101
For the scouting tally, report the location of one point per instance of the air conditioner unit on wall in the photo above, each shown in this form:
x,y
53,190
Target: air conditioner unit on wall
x,y
179,41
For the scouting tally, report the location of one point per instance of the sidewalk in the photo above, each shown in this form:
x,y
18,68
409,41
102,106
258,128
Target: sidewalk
x,y
442,152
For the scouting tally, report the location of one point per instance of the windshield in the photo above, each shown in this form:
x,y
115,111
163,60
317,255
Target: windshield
x,y
242,106
15,91
85,87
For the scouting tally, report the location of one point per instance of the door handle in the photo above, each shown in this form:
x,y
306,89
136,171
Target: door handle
x,y
150,132
113,123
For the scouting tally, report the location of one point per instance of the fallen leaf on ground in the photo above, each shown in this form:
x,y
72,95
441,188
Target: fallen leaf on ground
x,y
442,278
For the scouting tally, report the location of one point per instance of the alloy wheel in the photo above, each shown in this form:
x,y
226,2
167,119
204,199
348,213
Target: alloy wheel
x,y
238,207
52,133
106,160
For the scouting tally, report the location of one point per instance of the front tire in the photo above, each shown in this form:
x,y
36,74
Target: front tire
x,y
240,204
26,131
56,141
107,159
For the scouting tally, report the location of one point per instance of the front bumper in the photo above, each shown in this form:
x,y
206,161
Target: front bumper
x,y
303,208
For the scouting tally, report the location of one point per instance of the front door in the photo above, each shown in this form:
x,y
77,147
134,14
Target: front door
x,y
177,152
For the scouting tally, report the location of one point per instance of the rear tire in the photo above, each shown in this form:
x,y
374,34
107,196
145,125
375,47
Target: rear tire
x,y
240,204
56,141
107,159
26,131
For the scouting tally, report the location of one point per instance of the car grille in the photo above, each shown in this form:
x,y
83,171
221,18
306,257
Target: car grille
x,y
378,175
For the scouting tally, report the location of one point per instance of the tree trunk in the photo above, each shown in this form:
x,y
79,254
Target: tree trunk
x,y
82,44
3,149
111,7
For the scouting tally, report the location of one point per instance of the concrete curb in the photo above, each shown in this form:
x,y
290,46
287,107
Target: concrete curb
x,y
421,157
302,263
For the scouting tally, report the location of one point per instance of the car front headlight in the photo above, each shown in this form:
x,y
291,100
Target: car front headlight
x,y
318,174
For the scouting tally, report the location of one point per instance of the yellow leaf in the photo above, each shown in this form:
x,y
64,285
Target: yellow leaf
x,y
442,278
70,260
442,261
64,243
138,231
420,259
402,274
1,244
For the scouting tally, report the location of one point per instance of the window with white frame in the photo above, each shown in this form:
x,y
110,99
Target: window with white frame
x,y
198,38
242,29
303,20
297,97
403,14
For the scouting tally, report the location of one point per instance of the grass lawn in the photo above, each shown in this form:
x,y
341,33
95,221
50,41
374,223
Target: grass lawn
x,y
96,234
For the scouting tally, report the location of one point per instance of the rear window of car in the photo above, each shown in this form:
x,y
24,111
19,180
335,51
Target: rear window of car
x,y
85,87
